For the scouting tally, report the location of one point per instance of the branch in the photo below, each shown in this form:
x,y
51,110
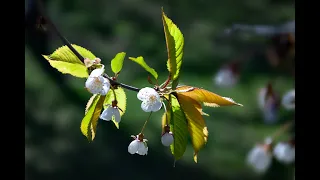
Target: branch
x,y
282,129
75,52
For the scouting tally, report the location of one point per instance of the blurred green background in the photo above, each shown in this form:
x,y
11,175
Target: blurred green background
x,y
54,103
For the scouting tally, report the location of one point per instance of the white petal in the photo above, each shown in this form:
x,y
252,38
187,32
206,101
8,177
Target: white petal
x,y
288,100
133,146
156,106
107,114
259,159
143,149
284,153
116,114
270,112
144,93
167,139
97,72
94,85
145,106
105,87
262,97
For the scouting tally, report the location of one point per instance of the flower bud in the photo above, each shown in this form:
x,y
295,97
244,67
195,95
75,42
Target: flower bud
x,y
167,139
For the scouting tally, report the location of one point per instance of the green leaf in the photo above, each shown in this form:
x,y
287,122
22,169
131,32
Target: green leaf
x,y
142,63
66,62
117,62
174,42
196,124
122,101
89,103
179,128
90,121
175,83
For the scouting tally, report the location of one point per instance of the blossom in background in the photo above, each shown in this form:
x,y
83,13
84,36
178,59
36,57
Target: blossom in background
x,y
96,83
260,157
284,152
150,99
111,111
227,76
167,136
268,102
138,145
288,100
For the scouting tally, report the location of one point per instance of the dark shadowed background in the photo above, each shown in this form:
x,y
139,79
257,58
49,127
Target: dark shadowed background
x,y
55,149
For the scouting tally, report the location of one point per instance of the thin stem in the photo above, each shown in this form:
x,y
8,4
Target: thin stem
x,y
114,93
79,56
112,82
165,111
55,29
145,123
165,84
282,129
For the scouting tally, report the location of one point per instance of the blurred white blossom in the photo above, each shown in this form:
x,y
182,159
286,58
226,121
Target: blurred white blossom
x,y
225,77
260,157
268,102
150,99
284,152
288,100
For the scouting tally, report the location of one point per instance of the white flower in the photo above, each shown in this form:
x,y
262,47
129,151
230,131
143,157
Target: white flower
x,y
268,103
284,152
150,99
225,78
96,83
138,145
288,100
259,158
110,112
167,139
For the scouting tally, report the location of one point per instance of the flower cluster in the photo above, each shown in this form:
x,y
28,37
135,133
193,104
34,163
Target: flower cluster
x,y
260,157
151,102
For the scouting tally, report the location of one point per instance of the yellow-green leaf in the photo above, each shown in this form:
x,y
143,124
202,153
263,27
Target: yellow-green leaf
x,y
90,121
122,101
174,42
66,62
196,124
76,70
142,63
90,101
179,128
206,97
117,62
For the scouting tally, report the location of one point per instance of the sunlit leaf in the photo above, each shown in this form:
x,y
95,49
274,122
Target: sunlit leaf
x,y
122,101
174,42
66,62
90,101
90,121
206,97
196,124
142,63
179,128
117,62
175,83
